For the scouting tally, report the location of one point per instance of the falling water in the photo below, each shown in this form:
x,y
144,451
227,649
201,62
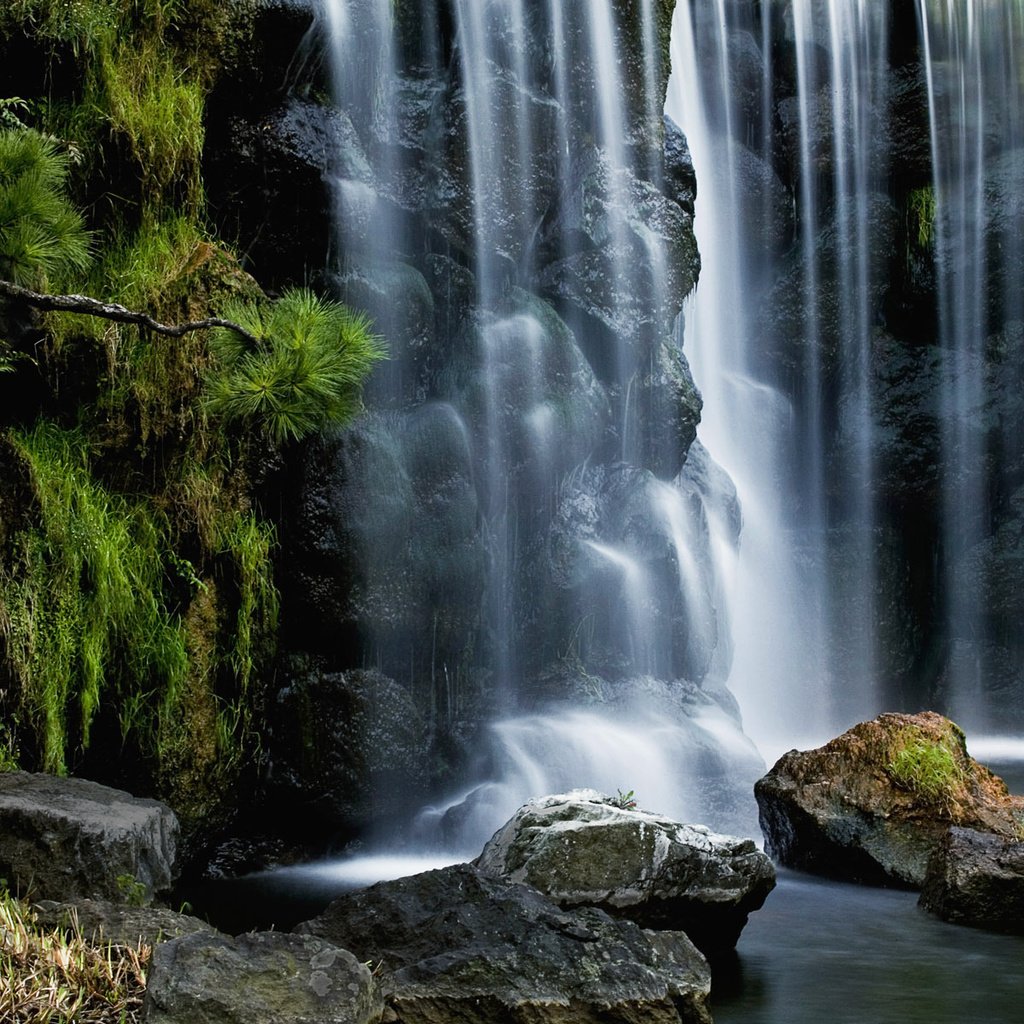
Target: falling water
x,y
972,53
561,376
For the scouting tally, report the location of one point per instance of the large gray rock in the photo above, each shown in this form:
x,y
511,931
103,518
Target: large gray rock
x,y
258,978
583,849
874,804
458,946
118,923
977,878
66,839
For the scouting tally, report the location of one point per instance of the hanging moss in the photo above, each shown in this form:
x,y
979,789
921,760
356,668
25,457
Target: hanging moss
x,y
86,621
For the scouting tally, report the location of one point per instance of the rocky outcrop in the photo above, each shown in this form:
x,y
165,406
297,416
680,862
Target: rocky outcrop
x,y
456,945
585,849
66,839
258,978
874,804
977,878
348,747
101,921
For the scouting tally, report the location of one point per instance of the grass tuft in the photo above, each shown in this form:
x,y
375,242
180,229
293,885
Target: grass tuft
x,y
930,769
60,978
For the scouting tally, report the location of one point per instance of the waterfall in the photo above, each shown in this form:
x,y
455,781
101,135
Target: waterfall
x,y
856,362
532,544
972,54
522,537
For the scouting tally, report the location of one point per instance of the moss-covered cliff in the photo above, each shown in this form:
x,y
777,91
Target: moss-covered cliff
x,y
138,609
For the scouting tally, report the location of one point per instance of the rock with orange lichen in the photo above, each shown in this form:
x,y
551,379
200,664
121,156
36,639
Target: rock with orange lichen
x,y
873,804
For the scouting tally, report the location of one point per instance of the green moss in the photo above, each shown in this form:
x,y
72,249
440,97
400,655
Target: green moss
x,y
155,106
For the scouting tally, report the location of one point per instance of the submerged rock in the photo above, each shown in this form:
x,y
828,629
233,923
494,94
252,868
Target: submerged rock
x,y
456,945
977,878
67,839
873,804
258,978
585,849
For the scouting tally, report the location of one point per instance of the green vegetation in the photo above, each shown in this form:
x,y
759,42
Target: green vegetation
x,y
58,977
929,769
40,231
138,609
921,213
625,801
84,607
306,374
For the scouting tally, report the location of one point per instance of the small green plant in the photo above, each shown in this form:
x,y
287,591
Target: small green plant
x,y
625,801
306,373
12,109
41,233
133,892
921,208
927,768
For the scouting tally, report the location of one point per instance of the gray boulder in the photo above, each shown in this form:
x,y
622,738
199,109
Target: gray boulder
x,y
258,978
456,945
67,839
977,878
584,849
118,923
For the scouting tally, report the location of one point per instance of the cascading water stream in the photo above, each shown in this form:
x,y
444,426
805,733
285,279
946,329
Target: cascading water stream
x,y
564,260
972,52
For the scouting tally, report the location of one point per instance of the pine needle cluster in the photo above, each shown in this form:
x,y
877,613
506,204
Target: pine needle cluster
x,y
306,373
41,233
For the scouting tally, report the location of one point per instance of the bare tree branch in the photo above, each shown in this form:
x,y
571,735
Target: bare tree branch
x,y
114,311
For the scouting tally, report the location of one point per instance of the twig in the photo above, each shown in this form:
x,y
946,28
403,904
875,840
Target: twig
x,y
114,311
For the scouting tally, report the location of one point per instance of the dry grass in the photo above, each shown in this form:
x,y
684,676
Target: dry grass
x,y
58,977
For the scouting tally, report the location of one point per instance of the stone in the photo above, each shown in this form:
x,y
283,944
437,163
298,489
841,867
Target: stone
x,y
67,839
976,878
456,945
849,810
584,849
258,978
118,923
346,747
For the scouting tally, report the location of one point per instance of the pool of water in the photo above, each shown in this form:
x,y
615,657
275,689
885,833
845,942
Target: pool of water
x,y
818,951
822,951
846,954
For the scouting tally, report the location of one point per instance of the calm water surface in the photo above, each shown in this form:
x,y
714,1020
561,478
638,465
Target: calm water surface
x,y
820,951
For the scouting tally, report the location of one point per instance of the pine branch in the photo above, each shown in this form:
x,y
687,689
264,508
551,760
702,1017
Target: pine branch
x,y
114,311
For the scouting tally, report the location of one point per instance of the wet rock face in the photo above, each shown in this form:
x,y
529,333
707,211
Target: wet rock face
x,y
65,839
584,849
347,748
455,945
875,803
976,878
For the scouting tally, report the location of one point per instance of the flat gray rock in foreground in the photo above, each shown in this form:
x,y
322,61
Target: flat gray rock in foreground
x,y
583,849
70,839
258,978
